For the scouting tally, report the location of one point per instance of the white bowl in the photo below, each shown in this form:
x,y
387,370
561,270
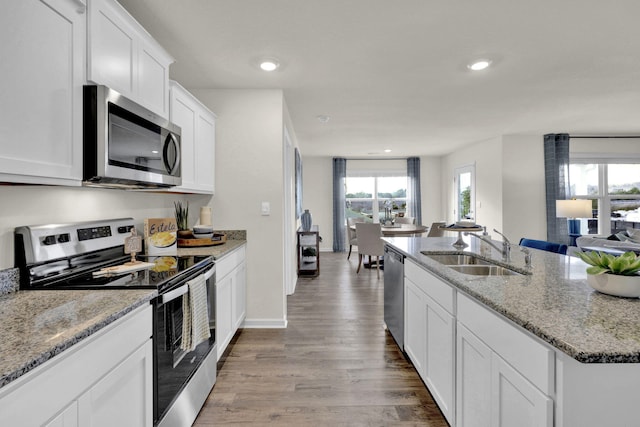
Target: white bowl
x,y
202,235
202,229
615,284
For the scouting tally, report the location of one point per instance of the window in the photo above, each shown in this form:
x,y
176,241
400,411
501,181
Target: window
x,y
465,193
366,196
614,188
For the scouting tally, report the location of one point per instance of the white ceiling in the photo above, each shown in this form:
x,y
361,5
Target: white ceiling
x,y
392,74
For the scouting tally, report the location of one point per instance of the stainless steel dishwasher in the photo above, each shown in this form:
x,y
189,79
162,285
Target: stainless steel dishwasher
x,y
394,294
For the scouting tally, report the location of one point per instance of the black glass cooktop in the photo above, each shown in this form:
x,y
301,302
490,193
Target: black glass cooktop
x,y
73,277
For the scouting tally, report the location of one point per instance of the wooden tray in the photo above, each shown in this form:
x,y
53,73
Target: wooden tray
x,y
217,239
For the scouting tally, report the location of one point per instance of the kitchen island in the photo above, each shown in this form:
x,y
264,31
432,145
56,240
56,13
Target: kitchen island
x,y
578,351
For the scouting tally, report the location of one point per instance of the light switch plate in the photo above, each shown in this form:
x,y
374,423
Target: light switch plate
x,y
266,208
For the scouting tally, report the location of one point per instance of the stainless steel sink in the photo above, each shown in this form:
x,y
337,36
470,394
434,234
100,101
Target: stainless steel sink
x,y
471,264
484,270
457,259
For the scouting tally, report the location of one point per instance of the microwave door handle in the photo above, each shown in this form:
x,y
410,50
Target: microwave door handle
x,y
171,295
171,140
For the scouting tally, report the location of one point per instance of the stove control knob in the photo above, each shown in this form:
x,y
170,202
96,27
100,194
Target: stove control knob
x,y
49,240
63,238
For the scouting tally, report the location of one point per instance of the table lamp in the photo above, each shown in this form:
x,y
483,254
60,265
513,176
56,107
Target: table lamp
x,y
573,210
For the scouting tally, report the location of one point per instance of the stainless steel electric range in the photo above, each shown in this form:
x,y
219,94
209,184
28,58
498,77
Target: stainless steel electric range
x,y
65,256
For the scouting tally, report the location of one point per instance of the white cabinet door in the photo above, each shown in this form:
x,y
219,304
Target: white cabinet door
x,y
42,69
224,313
515,402
439,372
473,380
205,152
68,417
197,140
122,397
415,336
240,295
124,57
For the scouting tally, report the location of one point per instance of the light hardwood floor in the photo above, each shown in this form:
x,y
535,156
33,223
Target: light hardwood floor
x,y
334,365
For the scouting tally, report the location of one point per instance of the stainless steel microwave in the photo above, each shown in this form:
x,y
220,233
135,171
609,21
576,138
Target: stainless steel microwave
x,y
127,145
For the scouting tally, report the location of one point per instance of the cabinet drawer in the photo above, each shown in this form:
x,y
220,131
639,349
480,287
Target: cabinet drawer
x,y
435,288
531,358
227,263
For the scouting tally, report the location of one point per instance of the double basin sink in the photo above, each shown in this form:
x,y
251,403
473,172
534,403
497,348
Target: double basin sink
x,y
471,265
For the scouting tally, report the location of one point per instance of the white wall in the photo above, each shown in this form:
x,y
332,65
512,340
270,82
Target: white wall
x,y
317,195
249,171
487,157
32,205
523,190
432,190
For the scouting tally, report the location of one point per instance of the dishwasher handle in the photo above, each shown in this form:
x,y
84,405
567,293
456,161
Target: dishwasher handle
x,y
393,255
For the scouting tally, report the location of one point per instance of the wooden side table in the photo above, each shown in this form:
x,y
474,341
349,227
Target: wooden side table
x,y
309,252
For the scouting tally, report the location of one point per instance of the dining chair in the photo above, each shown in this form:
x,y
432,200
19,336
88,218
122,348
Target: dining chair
x,y
353,239
405,220
558,248
369,243
435,230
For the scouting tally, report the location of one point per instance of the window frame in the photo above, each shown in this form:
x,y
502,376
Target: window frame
x,y
603,196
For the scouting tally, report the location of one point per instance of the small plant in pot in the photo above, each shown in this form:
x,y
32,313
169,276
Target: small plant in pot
x,y
309,254
182,219
613,275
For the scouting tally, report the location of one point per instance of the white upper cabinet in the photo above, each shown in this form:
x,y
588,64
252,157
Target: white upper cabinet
x,y
42,71
124,57
198,141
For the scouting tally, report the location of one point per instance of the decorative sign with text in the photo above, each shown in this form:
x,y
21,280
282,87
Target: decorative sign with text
x,y
161,236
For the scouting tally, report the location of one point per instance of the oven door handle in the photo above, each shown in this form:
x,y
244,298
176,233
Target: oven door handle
x,y
171,295
209,273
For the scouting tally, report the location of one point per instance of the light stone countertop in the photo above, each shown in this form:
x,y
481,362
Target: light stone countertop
x,y
217,251
38,325
554,303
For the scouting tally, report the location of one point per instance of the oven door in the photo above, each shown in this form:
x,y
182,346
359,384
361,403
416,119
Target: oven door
x,y
174,367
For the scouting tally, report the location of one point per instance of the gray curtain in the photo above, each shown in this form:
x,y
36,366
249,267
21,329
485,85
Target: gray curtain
x,y
413,184
339,177
556,169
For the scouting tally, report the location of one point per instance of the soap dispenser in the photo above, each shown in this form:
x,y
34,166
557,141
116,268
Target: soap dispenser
x,y
485,248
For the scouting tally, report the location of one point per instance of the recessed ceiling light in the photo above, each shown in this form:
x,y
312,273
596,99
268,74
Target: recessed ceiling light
x,y
323,118
270,64
479,64
387,150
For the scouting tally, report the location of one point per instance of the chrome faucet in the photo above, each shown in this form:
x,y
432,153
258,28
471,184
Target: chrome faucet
x,y
527,257
506,244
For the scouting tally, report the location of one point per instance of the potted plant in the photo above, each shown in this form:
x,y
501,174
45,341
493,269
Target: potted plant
x,y
182,218
613,275
309,254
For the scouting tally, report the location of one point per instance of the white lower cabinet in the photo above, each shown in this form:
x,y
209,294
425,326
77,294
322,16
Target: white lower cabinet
x,y
430,334
473,381
504,377
231,295
104,380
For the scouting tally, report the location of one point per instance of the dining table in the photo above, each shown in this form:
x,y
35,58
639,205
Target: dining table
x,y
398,230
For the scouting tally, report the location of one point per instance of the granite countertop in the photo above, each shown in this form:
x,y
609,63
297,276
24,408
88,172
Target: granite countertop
x,y
217,251
554,302
37,325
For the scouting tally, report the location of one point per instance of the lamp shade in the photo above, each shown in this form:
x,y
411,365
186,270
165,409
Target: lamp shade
x,y
573,208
